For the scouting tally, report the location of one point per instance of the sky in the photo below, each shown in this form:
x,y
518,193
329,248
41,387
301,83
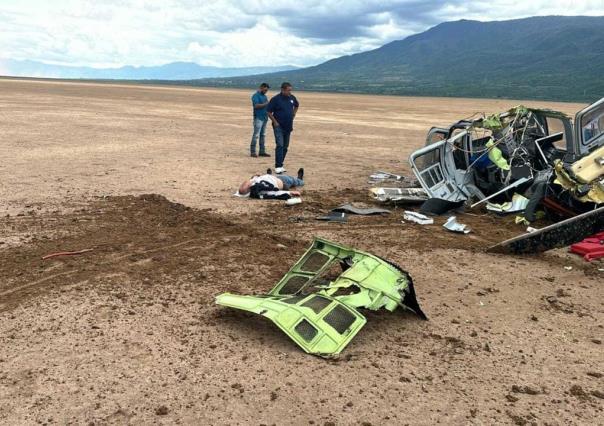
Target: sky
x,y
234,33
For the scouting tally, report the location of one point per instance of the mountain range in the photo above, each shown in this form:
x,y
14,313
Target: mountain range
x,y
550,57
170,71
547,57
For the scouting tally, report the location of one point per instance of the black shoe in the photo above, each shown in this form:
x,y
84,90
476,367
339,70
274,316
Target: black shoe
x,y
264,154
269,171
301,173
253,154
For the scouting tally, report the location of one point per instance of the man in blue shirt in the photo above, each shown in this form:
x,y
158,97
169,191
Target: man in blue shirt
x,y
259,103
281,110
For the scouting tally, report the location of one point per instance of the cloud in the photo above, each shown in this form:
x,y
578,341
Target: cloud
x,y
339,20
235,32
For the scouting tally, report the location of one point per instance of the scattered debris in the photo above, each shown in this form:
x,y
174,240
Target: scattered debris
x,y
452,225
590,248
66,253
333,216
338,214
349,208
381,176
502,190
399,195
568,268
293,201
417,218
316,305
518,204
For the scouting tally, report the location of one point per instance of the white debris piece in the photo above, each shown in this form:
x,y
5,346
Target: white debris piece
x,y
293,201
399,194
517,204
417,218
452,225
380,175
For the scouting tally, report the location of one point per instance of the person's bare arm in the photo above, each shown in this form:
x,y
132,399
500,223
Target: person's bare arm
x,y
273,119
260,106
295,111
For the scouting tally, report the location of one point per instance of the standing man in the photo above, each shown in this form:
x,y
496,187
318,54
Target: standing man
x,y
281,110
259,103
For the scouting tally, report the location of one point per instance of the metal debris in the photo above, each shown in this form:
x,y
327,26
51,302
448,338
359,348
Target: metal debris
x,y
399,195
544,155
349,208
417,218
316,303
452,225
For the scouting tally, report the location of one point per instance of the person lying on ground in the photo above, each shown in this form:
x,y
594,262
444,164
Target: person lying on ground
x,y
272,187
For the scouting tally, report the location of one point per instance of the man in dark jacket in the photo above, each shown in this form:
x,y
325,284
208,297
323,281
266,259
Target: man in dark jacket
x,y
282,110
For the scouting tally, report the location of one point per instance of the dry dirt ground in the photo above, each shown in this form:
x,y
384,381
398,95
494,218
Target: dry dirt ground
x,y
129,333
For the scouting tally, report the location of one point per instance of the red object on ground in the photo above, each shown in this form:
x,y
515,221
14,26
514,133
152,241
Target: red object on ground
x,y
65,253
590,248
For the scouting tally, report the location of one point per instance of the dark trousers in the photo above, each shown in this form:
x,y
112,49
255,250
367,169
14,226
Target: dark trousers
x,y
282,141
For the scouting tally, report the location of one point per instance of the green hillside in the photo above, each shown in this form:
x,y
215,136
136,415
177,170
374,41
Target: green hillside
x,y
553,58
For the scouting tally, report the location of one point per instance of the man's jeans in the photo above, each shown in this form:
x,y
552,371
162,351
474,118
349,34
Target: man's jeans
x,y
282,141
289,181
259,130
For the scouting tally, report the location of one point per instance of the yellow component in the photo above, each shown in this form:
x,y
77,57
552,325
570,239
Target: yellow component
x,y
591,167
496,156
596,191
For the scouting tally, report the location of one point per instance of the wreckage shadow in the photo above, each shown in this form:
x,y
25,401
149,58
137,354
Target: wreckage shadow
x,y
398,319
249,328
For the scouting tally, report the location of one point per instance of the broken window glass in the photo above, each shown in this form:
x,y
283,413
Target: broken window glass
x,y
293,285
340,319
315,262
592,125
306,330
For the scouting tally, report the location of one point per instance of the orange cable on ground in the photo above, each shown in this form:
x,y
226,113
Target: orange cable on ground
x,y
65,253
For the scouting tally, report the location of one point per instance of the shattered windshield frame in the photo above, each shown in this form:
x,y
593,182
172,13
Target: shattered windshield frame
x,y
317,302
592,116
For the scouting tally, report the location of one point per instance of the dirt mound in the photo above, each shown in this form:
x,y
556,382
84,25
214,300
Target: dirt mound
x,y
124,231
